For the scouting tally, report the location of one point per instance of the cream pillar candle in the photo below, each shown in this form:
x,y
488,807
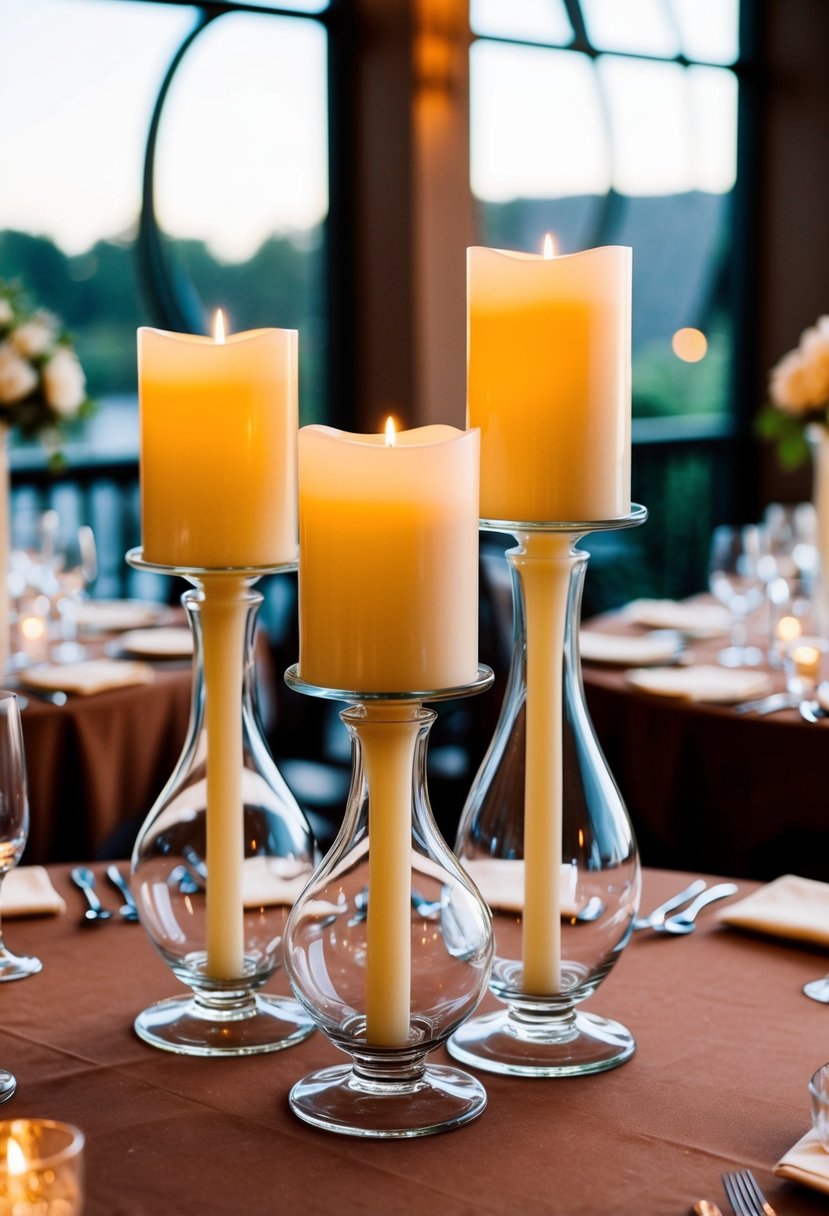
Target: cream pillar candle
x,y
388,602
388,568
549,382
218,448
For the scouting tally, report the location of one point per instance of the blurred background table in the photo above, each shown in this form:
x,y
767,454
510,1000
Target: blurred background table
x,y
707,787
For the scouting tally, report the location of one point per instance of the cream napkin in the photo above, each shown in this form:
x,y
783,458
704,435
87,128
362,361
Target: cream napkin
x,y
160,643
28,891
630,652
502,884
97,675
720,685
272,880
807,1162
108,616
694,620
787,907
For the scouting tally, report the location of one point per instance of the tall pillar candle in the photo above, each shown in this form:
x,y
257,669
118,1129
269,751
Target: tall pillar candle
x,y
388,602
549,382
218,494
218,448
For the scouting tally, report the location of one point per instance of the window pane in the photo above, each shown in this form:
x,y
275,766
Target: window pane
x,y
544,20
709,29
643,27
241,170
536,124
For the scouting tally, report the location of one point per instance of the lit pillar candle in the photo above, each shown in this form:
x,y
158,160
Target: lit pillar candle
x,y
218,448
218,492
549,382
388,602
388,567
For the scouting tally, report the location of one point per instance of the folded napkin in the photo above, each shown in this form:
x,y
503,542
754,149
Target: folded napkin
x,y
97,675
692,619
807,1162
112,615
629,651
159,643
272,880
787,907
720,685
28,891
502,884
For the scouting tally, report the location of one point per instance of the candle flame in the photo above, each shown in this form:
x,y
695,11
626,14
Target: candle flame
x,y
788,628
549,247
219,328
15,1157
391,432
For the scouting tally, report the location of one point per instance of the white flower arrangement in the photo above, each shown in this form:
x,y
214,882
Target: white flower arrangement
x,y
42,383
798,395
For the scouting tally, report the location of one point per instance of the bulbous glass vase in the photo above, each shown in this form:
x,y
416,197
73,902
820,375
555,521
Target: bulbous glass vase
x,y
389,946
546,837
223,852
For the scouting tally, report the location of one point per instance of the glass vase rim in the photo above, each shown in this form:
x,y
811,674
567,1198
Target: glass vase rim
x,y
632,519
135,558
75,1143
483,681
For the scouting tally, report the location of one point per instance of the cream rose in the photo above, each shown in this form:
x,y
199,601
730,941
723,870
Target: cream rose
x,y
64,383
17,377
35,336
6,312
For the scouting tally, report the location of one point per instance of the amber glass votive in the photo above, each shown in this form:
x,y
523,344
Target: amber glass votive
x,y
41,1168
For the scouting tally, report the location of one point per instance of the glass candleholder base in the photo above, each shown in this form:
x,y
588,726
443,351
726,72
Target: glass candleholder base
x,y
225,849
545,833
389,946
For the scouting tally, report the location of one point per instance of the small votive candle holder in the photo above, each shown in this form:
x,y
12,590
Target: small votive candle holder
x,y
805,658
41,1168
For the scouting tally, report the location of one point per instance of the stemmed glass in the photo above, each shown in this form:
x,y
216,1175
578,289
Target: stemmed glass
x,y
735,579
14,819
74,564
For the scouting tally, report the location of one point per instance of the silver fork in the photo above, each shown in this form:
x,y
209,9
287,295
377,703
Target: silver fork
x,y
745,1196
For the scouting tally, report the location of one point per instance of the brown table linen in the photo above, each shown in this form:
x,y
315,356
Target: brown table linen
x,y
708,788
726,1045
96,765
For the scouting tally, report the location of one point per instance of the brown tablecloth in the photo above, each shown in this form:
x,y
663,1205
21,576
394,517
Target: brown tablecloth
x,y
96,764
709,788
726,1045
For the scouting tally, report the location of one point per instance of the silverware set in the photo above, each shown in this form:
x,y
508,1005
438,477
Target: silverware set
x,y
678,914
96,913
743,1194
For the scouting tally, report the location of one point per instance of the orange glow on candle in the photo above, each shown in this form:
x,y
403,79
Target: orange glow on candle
x,y
219,328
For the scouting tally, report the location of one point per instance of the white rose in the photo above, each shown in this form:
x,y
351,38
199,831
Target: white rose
x,y
35,336
64,383
6,311
17,377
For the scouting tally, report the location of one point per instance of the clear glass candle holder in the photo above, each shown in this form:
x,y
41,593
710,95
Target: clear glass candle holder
x,y
819,1095
545,833
224,851
389,946
41,1168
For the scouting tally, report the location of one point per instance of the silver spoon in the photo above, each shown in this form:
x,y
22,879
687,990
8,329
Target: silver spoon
x,y
654,919
685,922
128,909
812,711
85,879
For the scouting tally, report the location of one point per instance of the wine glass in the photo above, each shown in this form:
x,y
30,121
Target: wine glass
x,y
14,821
735,579
74,564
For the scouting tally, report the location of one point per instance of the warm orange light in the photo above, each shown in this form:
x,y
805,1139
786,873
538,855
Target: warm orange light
x,y
33,627
690,345
219,327
16,1162
391,433
549,247
788,628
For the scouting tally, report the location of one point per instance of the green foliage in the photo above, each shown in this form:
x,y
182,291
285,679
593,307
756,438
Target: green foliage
x,y
787,433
